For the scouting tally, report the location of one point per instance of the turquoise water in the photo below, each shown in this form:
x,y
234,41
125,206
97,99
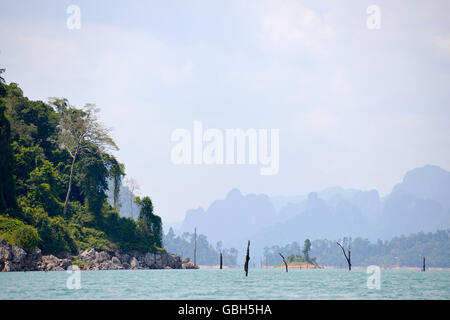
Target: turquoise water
x,y
226,284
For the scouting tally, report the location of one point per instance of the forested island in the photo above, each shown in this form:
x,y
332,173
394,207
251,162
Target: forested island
x,y
56,167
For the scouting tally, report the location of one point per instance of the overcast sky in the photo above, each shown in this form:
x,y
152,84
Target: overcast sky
x,y
355,107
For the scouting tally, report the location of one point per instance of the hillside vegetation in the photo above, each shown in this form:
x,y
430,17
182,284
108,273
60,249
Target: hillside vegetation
x,y
55,164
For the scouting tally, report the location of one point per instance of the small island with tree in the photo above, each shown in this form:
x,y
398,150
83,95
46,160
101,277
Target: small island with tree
x,y
297,261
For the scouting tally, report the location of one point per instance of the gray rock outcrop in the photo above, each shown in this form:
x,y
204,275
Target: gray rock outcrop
x,y
14,258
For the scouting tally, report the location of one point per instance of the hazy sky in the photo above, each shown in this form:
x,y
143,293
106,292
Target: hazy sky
x,y
355,107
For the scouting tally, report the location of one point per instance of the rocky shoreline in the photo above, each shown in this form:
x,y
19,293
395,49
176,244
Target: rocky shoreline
x,y
14,258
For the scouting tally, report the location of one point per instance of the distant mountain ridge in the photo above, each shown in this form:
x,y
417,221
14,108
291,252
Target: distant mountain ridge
x,y
235,215
428,182
421,202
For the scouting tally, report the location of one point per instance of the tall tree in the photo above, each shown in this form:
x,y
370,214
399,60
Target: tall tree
x,y
80,131
116,173
92,178
306,249
7,184
148,222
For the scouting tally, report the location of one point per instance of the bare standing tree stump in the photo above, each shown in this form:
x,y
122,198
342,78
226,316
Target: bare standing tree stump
x,y
285,263
247,259
346,257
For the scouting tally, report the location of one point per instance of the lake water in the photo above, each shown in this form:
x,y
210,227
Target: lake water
x,y
227,284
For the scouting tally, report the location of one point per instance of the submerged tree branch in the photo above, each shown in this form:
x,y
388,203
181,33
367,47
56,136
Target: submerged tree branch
x,y
247,259
345,255
284,260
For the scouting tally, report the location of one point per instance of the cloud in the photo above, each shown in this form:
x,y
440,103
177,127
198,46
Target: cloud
x,y
288,27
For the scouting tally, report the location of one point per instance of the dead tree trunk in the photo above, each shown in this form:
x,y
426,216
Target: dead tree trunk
x,y
423,264
285,263
221,260
347,257
247,259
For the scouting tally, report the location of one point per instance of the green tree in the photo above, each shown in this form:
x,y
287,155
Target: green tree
x,y
148,222
80,131
16,232
116,173
92,179
7,184
306,249
45,187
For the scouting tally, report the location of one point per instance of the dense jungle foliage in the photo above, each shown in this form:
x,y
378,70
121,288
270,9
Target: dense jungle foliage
x,y
56,167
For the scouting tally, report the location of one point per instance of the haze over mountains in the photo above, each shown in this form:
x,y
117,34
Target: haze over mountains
x,y
421,202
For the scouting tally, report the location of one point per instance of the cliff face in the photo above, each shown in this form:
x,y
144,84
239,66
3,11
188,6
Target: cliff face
x,y
14,258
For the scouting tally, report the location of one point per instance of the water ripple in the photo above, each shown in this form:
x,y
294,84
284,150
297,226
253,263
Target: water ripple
x,y
226,284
